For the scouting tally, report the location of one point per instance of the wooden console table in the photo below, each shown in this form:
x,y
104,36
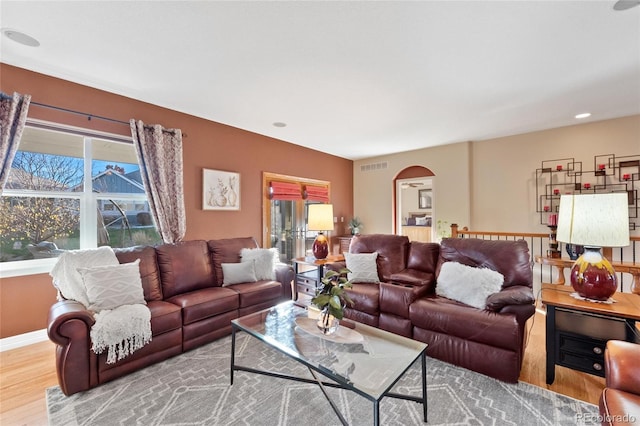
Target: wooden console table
x,y
561,263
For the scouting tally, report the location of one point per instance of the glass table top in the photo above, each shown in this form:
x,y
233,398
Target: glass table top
x,y
364,358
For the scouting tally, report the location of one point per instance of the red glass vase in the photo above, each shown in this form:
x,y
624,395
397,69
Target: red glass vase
x,y
592,276
320,247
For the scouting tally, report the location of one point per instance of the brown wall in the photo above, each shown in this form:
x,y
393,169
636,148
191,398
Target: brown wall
x,y
24,301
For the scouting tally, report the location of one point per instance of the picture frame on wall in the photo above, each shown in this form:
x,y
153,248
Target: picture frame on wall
x,y
220,190
425,199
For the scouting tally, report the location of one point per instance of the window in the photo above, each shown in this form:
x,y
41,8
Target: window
x,y
48,206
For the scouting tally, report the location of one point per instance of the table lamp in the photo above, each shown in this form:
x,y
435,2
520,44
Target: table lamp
x,y
320,218
594,221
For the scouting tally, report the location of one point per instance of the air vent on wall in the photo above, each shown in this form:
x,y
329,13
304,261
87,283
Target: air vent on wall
x,y
374,166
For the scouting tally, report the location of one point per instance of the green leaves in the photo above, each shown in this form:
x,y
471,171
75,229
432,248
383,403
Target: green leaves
x,y
332,294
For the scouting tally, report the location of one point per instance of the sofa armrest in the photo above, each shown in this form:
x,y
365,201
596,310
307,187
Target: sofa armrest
x,y
70,329
514,295
622,371
285,274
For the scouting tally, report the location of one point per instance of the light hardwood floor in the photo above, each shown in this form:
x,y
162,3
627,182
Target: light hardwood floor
x,y
26,372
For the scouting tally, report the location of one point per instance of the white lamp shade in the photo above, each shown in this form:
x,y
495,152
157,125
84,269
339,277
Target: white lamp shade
x,y
320,217
596,220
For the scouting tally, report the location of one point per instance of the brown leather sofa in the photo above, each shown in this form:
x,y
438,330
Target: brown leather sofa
x,y
620,399
489,341
182,286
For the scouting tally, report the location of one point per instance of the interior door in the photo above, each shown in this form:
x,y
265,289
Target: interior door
x,y
288,228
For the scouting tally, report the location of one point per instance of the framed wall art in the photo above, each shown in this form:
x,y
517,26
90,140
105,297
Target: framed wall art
x,y
220,190
424,199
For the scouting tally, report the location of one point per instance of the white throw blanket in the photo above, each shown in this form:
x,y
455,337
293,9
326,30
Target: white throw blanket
x,y
122,330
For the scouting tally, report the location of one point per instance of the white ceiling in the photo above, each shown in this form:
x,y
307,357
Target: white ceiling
x,y
353,79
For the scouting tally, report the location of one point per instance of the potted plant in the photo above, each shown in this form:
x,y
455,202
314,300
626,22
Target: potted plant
x,y
331,299
355,225
443,230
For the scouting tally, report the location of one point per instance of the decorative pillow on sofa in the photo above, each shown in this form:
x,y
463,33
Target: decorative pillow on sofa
x,y
421,221
467,284
236,273
264,261
363,267
112,286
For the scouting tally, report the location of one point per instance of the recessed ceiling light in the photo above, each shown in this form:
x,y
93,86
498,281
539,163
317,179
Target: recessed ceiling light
x,y
279,124
583,115
21,38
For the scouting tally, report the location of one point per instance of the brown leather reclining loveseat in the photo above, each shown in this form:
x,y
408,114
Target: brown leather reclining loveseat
x,y
489,341
182,286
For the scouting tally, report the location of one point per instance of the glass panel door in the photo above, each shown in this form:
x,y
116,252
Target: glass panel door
x,y
288,228
285,220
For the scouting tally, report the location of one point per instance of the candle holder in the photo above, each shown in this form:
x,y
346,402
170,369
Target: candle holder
x,y
554,252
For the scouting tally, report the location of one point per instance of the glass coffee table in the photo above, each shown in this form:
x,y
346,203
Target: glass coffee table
x,y
363,359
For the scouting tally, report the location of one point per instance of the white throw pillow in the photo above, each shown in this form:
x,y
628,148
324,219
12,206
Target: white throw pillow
x,y
421,221
109,287
363,267
264,260
66,277
467,284
236,273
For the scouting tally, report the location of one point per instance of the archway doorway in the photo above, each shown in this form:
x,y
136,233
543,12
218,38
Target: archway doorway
x,y
414,203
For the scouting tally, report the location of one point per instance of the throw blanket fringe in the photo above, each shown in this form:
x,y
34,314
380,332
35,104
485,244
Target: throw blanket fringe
x,y
121,331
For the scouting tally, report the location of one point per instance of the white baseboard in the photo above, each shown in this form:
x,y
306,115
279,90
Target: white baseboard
x,y
25,339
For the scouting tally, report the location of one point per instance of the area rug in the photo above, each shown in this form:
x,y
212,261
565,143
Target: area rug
x,y
194,389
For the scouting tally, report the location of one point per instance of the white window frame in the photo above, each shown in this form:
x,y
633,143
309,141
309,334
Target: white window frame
x,y
88,200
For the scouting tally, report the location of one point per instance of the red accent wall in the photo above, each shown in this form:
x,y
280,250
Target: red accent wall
x,y
24,301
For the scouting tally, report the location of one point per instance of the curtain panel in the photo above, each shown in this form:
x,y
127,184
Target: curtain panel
x,y
287,191
13,116
159,152
316,193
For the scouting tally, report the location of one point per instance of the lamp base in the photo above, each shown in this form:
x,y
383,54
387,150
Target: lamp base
x,y
592,276
320,247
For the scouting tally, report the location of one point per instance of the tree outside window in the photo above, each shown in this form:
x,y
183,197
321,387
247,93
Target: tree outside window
x,y
46,204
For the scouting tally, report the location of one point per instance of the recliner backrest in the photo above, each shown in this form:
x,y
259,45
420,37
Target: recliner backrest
x,y
184,267
510,258
392,251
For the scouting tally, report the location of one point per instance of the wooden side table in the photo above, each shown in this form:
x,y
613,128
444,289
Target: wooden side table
x,y
577,331
308,273
561,263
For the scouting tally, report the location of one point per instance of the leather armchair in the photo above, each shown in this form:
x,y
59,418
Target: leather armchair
x,y
620,399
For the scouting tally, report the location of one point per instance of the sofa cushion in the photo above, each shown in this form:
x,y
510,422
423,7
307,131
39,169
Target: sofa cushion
x,y
236,273
448,317
258,292
149,273
392,251
200,304
510,258
362,266
227,250
467,284
112,286
165,317
264,260
184,267
365,297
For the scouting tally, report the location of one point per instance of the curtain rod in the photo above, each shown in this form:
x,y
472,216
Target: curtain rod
x,y
90,116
